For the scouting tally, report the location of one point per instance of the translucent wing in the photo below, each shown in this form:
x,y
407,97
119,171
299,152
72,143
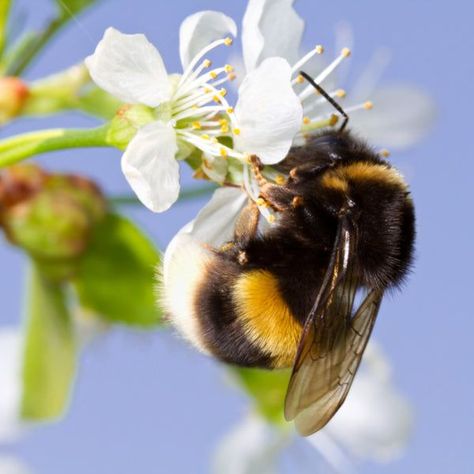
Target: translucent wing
x,y
333,339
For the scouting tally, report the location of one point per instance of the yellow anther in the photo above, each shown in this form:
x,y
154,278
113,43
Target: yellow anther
x,y
346,52
223,92
368,105
319,49
213,74
223,121
280,179
230,110
225,128
236,131
223,152
300,79
384,153
207,90
228,68
271,218
194,107
306,120
205,136
231,76
228,41
216,98
260,202
333,119
341,93
207,63
196,125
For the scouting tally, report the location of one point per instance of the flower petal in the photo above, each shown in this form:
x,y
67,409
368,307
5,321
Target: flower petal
x,y
270,28
150,166
402,115
10,381
268,112
375,422
252,447
129,67
201,29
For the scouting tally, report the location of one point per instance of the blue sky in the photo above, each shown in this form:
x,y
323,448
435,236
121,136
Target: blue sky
x,y
147,403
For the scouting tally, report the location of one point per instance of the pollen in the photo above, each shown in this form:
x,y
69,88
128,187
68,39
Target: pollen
x,y
230,110
346,52
341,93
228,68
225,128
319,49
213,74
280,179
236,131
207,63
217,99
231,76
207,90
384,153
333,119
223,152
197,125
205,136
228,41
306,120
271,218
368,105
260,202
223,92
299,79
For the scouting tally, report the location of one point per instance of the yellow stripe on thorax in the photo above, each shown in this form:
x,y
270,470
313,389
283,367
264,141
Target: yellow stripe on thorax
x,y
266,318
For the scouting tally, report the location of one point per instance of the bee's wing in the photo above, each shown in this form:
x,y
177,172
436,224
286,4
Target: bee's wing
x,y
333,341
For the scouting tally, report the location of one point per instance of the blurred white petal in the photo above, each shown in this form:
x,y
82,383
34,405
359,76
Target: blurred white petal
x,y
268,112
270,28
253,447
402,115
10,384
375,422
11,465
130,68
150,166
201,29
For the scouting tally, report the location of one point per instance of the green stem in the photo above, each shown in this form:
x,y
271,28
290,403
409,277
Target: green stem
x,y
35,45
185,195
20,147
4,11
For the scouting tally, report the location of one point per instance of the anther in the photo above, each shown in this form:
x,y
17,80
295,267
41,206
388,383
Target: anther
x,y
207,63
223,92
341,93
368,105
223,152
306,120
271,218
230,110
228,41
297,201
228,68
300,79
196,125
319,49
213,74
333,119
261,202
231,76
293,173
205,136
236,131
346,52
280,179
384,153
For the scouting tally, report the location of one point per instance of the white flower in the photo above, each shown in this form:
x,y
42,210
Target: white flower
x,y
11,465
191,109
10,383
373,424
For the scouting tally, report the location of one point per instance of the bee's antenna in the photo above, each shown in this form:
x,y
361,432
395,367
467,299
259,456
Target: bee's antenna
x,y
328,98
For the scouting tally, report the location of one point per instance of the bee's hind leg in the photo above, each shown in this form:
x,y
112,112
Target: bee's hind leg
x,y
247,223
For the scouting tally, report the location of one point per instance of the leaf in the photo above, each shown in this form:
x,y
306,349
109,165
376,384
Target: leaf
x,y
267,388
49,363
72,7
116,275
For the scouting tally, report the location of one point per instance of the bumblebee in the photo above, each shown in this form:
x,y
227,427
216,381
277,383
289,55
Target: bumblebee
x,y
286,296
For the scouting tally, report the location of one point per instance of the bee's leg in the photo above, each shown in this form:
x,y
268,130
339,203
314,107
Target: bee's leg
x,y
247,223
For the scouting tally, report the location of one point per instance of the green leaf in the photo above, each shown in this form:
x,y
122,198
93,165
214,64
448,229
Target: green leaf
x,y
72,7
49,363
116,275
4,11
267,388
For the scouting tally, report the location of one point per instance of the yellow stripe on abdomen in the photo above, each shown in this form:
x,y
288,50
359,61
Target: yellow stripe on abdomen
x,y
266,317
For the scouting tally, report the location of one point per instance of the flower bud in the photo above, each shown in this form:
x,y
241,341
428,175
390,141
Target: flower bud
x,y
50,216
13,95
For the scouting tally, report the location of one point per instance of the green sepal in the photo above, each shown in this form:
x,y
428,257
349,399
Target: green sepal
x,y
49,362
116,275
267,389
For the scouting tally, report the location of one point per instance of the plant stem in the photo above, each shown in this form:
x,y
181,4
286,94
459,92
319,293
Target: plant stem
x,y
20,147
185,195
4,11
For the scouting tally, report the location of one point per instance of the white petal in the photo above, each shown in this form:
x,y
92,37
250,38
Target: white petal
x,y
130,68
253,447
270,28
402,115
201,29
11,465
268,112
375,421
150,166
10,383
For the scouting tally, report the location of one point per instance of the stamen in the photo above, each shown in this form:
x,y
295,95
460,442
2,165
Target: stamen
x,y
196,126
384,153
228,68
298,65
236,131
280,179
